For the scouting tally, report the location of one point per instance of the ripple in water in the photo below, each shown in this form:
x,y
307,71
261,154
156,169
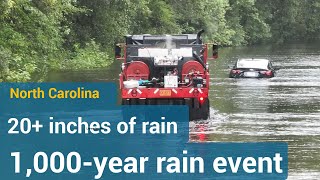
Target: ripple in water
x,y
285,108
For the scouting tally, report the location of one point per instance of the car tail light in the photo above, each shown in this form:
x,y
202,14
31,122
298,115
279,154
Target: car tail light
x,y
236,71
269,73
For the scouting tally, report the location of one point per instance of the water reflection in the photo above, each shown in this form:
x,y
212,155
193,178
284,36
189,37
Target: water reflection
x,y
200,133
284,108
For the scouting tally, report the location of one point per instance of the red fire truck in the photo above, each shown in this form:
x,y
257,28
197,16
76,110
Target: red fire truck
x,y
166,70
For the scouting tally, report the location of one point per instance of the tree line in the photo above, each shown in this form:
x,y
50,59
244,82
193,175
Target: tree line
x,y
39,35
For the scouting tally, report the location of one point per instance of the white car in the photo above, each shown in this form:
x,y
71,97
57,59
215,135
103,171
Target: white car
x,y
252,68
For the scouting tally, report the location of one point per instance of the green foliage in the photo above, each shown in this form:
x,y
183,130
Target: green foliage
x,y
312,23
38,35
246,21
161,19
14,68
87,58
291,19
32,38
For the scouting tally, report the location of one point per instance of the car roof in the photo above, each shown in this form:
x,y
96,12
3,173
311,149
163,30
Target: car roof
x,y
253,59
253,63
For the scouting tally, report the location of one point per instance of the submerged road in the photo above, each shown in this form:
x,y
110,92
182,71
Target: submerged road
x,y
284,108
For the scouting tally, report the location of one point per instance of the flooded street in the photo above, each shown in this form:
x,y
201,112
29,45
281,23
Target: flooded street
x,y
285,108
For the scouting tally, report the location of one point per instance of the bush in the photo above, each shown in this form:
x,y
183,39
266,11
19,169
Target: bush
x,y
91,56
13,68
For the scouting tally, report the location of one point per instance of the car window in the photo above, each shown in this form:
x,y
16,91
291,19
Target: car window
x,y
252,64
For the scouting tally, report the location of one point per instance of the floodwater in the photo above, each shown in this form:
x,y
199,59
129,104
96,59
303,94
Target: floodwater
x,y
284,108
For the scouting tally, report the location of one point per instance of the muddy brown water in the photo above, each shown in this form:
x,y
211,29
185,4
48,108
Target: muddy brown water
x,y
284,108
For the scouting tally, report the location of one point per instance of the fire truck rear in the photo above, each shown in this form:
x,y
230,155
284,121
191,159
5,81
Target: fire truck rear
x,y
166,70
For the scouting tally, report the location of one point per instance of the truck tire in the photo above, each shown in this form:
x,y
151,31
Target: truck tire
x,y
142,102
198,112
189,103
125,102
205,110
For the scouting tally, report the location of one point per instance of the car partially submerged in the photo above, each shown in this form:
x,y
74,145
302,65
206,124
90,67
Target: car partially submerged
x,y
252,68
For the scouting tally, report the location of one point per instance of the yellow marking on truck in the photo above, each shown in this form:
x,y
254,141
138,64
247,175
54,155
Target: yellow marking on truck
x,y
165,92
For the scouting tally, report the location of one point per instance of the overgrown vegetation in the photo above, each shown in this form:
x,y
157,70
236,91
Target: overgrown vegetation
x,y
38,35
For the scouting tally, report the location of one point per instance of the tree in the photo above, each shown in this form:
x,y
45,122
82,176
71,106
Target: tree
x,y
31,35
246,20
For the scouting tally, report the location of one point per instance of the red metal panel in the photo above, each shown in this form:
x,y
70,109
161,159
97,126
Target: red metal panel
x,y
156,93
192,66
137,70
